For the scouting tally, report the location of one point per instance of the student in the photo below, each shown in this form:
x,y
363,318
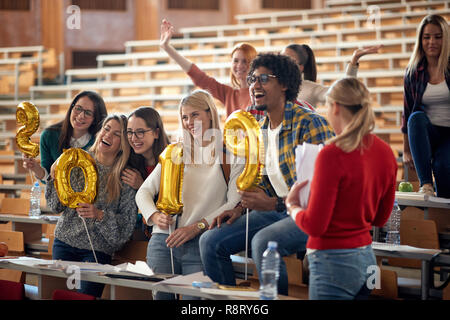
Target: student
x,y
353,189
206,191
310,91
147,138
83,120
274,81
111,218
426,113
234,97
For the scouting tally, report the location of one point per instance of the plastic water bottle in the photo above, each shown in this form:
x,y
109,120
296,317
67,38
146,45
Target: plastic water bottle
x,y
393,225
35,200
270,272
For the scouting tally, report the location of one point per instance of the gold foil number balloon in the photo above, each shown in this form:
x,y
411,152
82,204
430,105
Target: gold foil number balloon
x,y
28,115
170,188
242,136
69,159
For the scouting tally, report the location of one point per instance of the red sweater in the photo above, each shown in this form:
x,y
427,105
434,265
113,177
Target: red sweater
x,y
233,99
350,193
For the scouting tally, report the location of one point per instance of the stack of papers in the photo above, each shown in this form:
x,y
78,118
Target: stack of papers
x,y
305,158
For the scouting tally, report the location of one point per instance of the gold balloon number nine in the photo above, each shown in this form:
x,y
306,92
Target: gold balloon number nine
x,y
69,159
171,185
28,115
242,136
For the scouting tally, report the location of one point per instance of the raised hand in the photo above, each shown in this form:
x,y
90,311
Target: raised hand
x,y
358,53
167,30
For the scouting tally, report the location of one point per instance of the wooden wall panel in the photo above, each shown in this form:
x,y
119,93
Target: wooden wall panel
x,y
147,19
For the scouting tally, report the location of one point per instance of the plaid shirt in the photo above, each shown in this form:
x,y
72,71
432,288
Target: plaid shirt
x,y
414,88
300,124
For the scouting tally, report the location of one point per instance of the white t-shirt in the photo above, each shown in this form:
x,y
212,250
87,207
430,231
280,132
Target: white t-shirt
x,y
272,164
436,99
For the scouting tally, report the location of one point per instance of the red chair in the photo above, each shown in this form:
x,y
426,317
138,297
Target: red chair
x,y
59,294
10,290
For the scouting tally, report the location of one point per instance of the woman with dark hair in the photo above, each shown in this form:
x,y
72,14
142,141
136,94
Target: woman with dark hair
x,y
78,129
426,115
147,138
310,91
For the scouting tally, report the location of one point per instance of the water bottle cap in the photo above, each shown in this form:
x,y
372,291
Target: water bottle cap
x,y
36,184
272,245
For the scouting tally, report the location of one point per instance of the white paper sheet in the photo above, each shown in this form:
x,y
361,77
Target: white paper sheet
x,y
140,267
187,279
401,248
305,158
29,261
242,293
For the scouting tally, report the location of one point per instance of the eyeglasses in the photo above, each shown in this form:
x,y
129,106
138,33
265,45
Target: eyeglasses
x,y
87,113
263,78
138,133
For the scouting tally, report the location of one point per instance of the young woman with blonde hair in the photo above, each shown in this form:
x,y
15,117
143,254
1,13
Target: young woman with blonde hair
x,y
426,113
110,220
353,189
234,97
206,191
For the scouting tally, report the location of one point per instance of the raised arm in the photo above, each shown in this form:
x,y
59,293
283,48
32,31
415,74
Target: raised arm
x,y
167,31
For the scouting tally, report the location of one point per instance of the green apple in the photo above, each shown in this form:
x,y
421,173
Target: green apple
x,y
405,187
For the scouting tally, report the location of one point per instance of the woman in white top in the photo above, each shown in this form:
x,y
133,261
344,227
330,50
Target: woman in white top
x,y
311,91
207,191
426,112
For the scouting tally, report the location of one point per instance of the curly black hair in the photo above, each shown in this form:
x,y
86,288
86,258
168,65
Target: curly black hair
x,y
284,68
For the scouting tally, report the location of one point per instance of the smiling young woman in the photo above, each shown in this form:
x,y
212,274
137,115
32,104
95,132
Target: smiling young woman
x,y
234,97
111,219
78,129
426,112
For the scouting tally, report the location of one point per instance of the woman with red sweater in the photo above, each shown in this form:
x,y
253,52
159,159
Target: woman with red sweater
x,y
353,189
234,97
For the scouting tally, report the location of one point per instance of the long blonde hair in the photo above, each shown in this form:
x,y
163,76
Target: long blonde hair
x,y
353,95
202,100
249,53
418,52
114,183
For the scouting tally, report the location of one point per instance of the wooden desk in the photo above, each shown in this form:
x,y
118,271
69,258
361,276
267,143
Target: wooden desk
x,y
415,199
424,255
31,228
50,279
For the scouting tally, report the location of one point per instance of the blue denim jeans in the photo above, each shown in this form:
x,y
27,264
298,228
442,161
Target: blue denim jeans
x,y
218,244
62,251
339,274
186,260
430,150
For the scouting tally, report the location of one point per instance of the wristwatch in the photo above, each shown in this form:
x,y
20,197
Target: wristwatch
x,y
201,226
280,206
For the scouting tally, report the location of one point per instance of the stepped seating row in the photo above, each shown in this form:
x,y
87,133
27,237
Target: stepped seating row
x,y
272,39
355,21
351,8
331,49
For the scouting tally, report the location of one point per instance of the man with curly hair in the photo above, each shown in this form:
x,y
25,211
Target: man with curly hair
x,y
274,81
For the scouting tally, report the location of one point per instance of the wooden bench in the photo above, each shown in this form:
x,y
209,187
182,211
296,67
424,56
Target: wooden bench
x,y
273,39
355,21
275,16
35,51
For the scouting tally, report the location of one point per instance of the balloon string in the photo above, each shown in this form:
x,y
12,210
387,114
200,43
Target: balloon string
x,y
171,252
246,244
89,238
